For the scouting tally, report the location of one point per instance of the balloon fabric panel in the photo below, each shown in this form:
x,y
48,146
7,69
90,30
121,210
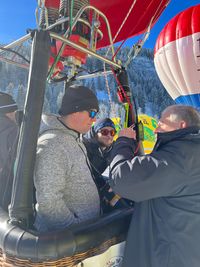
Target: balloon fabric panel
x,y
177,57
117,13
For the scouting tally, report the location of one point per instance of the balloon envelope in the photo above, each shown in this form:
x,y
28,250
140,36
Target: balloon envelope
x,y
133,16
177,57
149,124
125,17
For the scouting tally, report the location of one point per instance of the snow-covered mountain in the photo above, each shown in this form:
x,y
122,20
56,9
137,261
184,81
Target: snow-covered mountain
x,y
151,97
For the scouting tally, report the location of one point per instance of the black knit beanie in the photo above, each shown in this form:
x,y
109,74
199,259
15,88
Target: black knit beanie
x,y
101,123
7,103
78,98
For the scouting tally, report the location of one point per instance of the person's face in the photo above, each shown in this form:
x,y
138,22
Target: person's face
x,y
167,124
105,136
84,120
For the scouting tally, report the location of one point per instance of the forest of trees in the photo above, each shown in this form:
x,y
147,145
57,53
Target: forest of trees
x,y
151,97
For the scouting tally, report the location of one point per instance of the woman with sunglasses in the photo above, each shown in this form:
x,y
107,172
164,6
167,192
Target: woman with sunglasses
x,y
99,141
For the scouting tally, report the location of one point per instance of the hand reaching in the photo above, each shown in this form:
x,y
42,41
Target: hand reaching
x,y
128,132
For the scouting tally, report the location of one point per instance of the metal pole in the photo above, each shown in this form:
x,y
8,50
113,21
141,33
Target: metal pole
x,y
17,42
85,50
21,207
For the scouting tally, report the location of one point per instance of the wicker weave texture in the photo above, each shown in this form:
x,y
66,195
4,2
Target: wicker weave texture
x,y
10,261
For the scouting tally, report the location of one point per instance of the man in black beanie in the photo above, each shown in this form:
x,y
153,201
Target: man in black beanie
x,y
8,143
65,191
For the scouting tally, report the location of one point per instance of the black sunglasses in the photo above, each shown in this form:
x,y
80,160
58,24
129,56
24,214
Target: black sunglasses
x,y
92,113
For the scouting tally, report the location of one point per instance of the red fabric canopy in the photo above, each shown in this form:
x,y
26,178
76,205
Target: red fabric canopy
x,y
137,22
117,10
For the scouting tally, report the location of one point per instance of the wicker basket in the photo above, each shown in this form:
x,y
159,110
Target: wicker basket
x,y
10,261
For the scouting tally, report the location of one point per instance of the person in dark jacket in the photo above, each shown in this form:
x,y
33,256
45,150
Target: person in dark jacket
x,y
98,142
8,143
165,185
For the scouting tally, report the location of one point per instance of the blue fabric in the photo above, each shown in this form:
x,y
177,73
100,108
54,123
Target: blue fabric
x,y
192,100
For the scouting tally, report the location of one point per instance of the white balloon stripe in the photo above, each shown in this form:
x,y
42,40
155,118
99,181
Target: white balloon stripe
x,y
164,72
159,65
187,58
178,67
173,59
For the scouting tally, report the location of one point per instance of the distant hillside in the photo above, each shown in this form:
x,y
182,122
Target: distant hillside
x,y
151,97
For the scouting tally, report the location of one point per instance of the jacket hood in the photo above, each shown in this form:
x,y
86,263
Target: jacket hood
x,y
51,123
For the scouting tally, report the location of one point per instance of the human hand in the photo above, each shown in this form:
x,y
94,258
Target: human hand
x,y
128,132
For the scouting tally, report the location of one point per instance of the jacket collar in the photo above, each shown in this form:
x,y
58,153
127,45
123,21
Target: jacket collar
x,y
189,132
51,123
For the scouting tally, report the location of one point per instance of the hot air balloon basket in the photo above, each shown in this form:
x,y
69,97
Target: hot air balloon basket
x,y
7,260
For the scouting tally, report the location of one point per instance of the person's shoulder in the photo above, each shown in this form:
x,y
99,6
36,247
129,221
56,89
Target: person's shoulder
x,y
55,136
57,139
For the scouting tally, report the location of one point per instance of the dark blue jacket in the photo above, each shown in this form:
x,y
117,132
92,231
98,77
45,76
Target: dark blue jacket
x,y
99,159
165,228
8,143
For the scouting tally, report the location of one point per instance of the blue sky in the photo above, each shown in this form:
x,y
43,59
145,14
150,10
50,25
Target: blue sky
x,y
17,16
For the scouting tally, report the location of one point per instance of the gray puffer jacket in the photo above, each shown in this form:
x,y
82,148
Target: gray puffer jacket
x,y
65,191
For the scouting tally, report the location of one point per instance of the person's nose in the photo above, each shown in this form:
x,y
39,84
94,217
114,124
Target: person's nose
x,y
156,131
94,119
157,128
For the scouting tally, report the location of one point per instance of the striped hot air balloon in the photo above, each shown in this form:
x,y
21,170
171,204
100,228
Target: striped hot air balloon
x,y
177,57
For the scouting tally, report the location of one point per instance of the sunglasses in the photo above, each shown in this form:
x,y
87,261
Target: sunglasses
x,y
92,113
106,132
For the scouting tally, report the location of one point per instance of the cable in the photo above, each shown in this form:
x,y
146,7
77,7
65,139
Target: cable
x,y
9,61
15,52
151,21
127,98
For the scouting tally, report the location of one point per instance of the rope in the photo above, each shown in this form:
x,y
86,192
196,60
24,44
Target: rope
x,y
71,17
109,92
105,76
127,99
147,29
124,21
118,49
120,28
16,52
9,61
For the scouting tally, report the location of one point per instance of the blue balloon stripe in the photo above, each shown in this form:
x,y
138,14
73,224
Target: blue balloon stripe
x,y
191,100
